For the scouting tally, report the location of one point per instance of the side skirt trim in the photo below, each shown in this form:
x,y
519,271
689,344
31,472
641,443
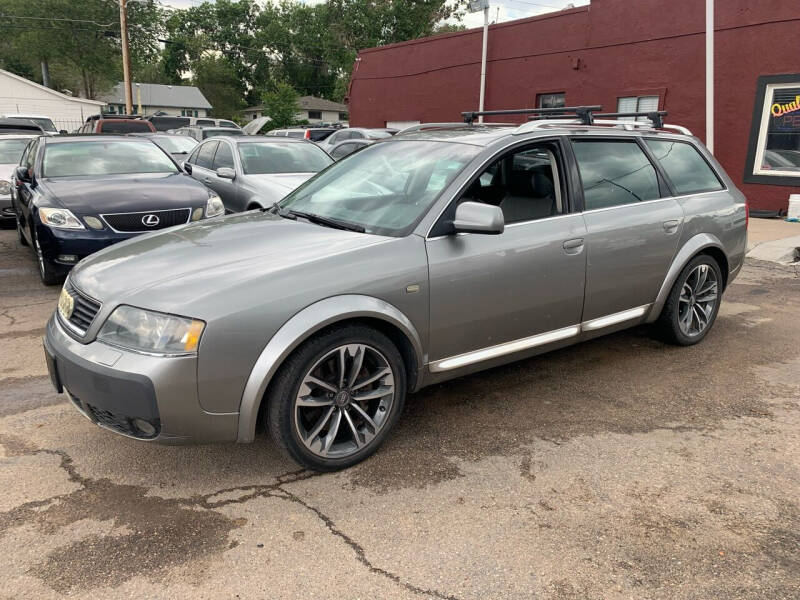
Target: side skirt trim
x,y
469,358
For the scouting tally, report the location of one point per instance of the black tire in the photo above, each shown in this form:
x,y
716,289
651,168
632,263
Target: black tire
x,y
668,324
20,235
282,395
49,273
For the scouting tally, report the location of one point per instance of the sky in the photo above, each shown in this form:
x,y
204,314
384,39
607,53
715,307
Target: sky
x,y
499,11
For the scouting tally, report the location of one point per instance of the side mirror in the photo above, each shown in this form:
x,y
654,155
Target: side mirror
x,y
21,173
63,132
476,217
187,167
226,173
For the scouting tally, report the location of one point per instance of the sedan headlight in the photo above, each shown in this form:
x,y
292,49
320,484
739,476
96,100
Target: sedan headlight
x,y
60,218
151,332
5,187
214,207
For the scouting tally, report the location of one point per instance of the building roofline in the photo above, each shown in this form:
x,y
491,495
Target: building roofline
x,y
473,30
51,91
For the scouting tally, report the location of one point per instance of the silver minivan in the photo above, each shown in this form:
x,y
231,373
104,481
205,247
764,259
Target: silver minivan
x,y
411,262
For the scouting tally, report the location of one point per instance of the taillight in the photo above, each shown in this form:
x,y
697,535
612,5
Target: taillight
x,y
746,214
308,134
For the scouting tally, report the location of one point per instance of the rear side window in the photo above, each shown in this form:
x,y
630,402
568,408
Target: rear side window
x,y
224,156
205,122
131,126
614,173
162,123
205,155
686,168
296,134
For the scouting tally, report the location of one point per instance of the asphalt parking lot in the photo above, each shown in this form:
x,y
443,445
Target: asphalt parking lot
x,y
621,468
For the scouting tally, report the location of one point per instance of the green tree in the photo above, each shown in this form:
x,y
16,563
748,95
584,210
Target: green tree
x,y
217,79
281,105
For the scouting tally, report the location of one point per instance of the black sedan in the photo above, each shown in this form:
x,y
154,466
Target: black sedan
x,y
74,195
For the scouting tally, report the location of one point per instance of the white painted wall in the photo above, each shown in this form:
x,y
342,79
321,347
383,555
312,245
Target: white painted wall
x,y
20,96
328,116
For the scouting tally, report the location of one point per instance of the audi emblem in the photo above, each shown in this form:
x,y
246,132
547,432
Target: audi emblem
x,y
150,220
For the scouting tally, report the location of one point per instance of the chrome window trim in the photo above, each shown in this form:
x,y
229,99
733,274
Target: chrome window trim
x,y
135,212
483,354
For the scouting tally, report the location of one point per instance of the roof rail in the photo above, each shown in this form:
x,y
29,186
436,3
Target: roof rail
x,y
584,113
655,121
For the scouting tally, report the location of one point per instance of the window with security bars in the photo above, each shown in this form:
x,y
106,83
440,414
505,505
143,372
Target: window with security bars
x,y
637,104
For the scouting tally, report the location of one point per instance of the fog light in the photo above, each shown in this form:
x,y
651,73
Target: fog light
x,y
197,214
145,428
67,258
93,222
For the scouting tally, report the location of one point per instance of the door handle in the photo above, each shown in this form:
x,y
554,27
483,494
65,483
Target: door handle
x,y
671,225
573,246
207,180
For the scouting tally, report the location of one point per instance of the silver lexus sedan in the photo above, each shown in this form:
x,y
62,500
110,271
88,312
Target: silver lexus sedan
x,y
249,172
411,262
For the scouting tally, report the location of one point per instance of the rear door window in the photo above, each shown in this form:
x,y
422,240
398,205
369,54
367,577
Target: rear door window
x,y
614,172
205,155
687,170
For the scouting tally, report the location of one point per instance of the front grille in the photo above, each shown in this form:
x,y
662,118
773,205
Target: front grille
x,y
84,309
136,222
119,423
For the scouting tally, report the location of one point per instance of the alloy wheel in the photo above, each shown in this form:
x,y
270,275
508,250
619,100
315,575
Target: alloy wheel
x,y
344,401
39,256
697,300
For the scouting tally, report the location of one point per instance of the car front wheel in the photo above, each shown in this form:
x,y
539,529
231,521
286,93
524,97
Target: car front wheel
x,y
335,399
48,272
693,302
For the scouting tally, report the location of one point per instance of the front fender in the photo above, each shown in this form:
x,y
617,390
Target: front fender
x,y
299,328
695,245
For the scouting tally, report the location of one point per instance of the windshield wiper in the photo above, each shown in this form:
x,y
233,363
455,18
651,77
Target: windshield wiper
x,y
328,221
277,209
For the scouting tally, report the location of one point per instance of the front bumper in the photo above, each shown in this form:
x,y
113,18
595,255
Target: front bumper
x,y
117,389
77,243
6,212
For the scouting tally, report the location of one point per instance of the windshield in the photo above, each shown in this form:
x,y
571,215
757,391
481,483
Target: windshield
x,y
11,150
126,126
209,133
105,158
386,187
45,124
282,157
177,144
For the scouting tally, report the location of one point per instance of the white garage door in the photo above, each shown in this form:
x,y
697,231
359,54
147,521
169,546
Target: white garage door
x,y
400,124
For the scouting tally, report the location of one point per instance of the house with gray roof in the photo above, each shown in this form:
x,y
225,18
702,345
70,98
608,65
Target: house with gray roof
x,y
312,109
151,98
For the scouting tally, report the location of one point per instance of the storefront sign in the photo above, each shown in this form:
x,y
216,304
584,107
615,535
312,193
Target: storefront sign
x,y
778,110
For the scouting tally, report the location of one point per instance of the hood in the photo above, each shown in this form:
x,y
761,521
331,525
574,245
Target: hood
x,y
284,181
170,270
124,193
6,170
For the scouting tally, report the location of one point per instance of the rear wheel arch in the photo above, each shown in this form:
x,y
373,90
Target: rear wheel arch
x,y
703,243
314,320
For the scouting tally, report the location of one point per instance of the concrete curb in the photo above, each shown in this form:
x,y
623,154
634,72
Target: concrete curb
x,y
784,251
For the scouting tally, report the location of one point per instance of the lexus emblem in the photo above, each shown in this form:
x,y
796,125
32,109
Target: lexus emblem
x,y
150,220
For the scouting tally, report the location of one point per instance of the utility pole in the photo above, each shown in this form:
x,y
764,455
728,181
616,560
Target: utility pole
x,y
475,6
126,58
710,75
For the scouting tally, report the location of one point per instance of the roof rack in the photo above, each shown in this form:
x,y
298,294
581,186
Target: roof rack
x,y
584,113
655,120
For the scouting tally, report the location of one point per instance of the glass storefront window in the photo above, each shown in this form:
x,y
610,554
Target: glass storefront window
x,y
778,146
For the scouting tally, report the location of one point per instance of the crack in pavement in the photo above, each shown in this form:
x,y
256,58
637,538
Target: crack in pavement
x,y
67,582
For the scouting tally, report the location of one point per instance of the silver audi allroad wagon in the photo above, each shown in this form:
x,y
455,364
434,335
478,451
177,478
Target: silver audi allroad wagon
x,y
421,258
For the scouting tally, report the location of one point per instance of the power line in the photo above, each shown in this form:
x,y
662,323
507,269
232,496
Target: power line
x,y
105,25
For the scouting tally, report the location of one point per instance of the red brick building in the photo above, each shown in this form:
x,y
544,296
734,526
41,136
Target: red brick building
x,y
621,54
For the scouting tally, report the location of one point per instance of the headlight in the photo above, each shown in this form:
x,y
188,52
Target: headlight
x,y
60,218
5,187
214,207
151,332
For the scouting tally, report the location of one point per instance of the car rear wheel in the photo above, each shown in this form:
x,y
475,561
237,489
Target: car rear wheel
x,y
693,302
334,401
48,272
